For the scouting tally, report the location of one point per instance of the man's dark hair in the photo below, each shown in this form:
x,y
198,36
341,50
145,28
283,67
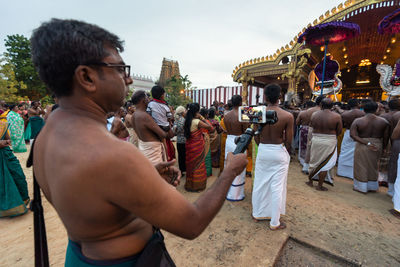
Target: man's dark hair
x,y
319,99
326,103
138,96
33,103
353,103
394,104
60,46
54,107
310,104
157,91
21,105
230,105
236,100
272,92
370,106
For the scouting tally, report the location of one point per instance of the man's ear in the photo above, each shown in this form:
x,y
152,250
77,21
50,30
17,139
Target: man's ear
x,y
85,77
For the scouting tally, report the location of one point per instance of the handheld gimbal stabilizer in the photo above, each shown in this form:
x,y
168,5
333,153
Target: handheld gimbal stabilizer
x,y
242,142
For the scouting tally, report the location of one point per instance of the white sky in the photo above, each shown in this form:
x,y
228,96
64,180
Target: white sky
x,y
207,37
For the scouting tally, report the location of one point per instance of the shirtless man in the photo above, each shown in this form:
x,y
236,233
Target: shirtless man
x,y
35,109
393,158
108,206
346,157
35,120
307,117
394,106
371,133
149,133
133,138
272,163
303,121
234,128
327,125
118,127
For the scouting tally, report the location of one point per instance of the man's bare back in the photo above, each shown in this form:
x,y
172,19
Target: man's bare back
x,y
371,126
303,118
232,124
350,115
326,122
280,132
310,112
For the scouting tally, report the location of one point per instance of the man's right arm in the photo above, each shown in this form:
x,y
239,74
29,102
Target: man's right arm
x,y
140,190
150,124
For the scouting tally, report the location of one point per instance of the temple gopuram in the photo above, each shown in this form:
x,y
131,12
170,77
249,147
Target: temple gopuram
x,y
169,69
290,66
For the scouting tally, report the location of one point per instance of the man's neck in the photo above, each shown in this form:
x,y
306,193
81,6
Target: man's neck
x,y
87,108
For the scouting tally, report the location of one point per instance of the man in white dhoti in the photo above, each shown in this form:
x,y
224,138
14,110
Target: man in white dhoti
x,y
327,125
346,157
371,134
149,133
272,163
234,128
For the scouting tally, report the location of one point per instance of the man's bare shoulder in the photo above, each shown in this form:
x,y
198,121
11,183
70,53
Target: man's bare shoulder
x,y
285,114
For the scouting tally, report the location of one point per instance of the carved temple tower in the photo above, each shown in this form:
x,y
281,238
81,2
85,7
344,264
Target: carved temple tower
x,y
169,69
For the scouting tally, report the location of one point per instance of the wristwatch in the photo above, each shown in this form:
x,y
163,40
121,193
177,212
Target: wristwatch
x,y
369,143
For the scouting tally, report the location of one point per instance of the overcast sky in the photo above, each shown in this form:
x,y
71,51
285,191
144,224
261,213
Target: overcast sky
x,y
207,37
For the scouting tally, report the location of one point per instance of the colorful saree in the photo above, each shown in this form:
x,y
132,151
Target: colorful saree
x,y
16,128
13,187
196,174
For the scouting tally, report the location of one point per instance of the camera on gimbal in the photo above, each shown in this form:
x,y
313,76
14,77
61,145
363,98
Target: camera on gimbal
x,y
257,115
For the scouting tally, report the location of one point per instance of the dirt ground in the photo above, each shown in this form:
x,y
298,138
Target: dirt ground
x,y
348,224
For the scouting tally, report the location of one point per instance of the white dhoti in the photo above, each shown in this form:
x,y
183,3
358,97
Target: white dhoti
x,y
270,179
396,195
236,191
154,151
346,157
323,155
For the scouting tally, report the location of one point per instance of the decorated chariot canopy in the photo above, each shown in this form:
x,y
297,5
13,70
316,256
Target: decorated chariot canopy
x,y
323,34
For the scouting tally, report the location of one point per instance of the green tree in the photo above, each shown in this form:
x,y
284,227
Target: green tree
x,y
175,90
9,86
19,55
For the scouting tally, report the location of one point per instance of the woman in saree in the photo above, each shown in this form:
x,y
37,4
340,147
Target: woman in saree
x,y
16,129
215,139
196,174
14,196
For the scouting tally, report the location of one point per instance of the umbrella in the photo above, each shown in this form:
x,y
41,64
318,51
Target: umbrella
x,y
330,32
390,24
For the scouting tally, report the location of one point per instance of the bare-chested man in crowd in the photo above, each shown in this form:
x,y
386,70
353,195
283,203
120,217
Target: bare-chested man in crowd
x,y
371,133
118,127
394,106
303,121
272,163
235,128
346,157
327,125
149,133
109,207
307,117
133,138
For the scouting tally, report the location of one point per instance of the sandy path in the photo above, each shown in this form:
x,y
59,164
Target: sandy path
x,y
342,221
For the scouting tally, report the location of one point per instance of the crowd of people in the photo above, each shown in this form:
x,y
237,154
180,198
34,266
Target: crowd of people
x,y
113,182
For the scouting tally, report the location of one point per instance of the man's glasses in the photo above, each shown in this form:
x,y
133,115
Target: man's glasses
x,y
124,69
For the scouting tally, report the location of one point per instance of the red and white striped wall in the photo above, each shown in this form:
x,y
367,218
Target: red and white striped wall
x,y
205,97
